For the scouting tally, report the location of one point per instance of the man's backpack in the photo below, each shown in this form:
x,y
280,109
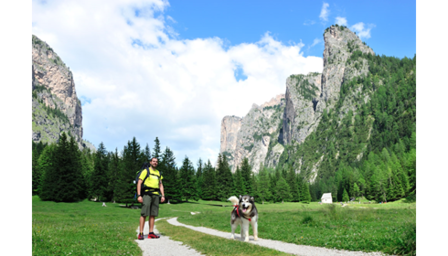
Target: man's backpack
x,y
145,166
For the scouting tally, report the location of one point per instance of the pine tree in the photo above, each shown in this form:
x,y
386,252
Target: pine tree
x,y
355,190
147,154
272,188
209,189
157,151
87,166
246,171
224,179
282,190
78,182
256,193
113,173
292,182
100,174
125,189
62,181
345,197
186,173
168,170
306,196
199,178
44,163
264,185
240,188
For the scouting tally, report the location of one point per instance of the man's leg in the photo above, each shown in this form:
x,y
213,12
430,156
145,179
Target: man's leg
x,y
142,223
151,223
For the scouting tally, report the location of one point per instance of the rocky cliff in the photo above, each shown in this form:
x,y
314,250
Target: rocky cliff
x,y
56,107
306,99
253,135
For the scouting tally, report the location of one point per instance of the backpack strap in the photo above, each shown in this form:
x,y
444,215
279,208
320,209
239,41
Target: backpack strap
x,y
147,175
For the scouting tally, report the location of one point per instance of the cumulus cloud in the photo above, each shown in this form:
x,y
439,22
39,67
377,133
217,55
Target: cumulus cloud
x,y
341,21
361,31
142,81
324,12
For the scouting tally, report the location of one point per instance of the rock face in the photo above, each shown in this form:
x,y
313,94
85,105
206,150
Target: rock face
x,y
56,108
300,115
306,98
253,135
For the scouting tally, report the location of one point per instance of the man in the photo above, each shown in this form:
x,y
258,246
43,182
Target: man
x,y
148,195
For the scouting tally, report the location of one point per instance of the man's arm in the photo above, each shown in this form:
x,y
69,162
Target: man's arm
x,y
162,191
139,190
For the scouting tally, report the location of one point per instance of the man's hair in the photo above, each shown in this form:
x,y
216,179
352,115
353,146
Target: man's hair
x,y
154,158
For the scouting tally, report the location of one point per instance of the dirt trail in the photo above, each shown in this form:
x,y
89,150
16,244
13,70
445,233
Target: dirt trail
x,y
278,245
163,246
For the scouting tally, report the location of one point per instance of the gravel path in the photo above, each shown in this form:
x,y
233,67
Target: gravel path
x,y
295,249
163,246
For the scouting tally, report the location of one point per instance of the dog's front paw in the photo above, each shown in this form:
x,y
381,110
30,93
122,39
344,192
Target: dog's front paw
x,y
246,239
255,238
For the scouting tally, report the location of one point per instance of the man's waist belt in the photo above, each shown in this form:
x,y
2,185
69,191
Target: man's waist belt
x,y
150,190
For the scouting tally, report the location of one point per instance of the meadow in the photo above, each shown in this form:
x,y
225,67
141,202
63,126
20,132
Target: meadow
x,y
389,228
87,228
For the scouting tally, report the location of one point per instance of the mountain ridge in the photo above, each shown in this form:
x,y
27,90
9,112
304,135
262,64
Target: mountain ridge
x,y
306,98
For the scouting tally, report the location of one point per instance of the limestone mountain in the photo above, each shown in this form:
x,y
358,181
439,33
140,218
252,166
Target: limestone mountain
x,y
252,135
56,107
263,139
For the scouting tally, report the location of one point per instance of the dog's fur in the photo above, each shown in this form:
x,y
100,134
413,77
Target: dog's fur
x,y
247,210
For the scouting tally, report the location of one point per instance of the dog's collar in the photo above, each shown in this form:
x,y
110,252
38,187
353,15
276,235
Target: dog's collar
x,y
238,212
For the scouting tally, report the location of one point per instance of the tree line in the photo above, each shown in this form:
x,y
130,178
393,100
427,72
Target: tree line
x,y
62,172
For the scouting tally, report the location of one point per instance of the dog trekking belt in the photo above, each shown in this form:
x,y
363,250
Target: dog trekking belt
x,y
237,207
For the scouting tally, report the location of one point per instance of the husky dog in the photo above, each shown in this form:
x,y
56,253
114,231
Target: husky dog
x,y
244,212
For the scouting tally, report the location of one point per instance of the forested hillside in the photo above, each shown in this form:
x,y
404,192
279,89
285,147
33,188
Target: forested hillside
x,y
370,151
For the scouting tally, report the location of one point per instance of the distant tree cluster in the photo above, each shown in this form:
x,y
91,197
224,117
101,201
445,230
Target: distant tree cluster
x,y
63,173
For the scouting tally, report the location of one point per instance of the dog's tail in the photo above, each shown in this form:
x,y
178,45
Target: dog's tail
x,y
234,200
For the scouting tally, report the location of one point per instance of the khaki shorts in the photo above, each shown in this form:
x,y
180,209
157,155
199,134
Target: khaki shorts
x,y
150,205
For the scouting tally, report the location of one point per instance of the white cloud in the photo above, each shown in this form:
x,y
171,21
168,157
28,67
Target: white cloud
x,y
341,21
309,22
324,12
315,42
362,31
142,81
171,19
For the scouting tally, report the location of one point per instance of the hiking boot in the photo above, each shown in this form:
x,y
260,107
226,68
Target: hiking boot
x,y
140,237
152,236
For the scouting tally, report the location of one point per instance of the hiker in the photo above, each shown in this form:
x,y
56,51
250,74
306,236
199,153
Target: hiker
x,y
149,197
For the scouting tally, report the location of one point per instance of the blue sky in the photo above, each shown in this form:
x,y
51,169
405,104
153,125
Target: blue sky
x,y
297,21
174,69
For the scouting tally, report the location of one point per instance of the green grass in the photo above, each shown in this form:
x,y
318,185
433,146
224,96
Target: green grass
x,y
212,245
86,228
83,228
376,227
